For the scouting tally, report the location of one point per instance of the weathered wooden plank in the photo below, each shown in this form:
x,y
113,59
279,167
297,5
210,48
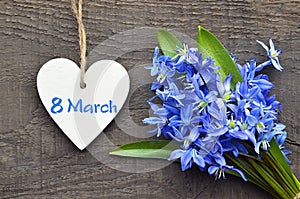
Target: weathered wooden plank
x,y
38,161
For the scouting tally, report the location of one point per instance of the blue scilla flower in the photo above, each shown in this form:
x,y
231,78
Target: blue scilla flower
x,y
202,97
181,55
182,58
262,81
171,95
233,145
242,131
219,171
246,92
248,73
187,140
224,87
188,157
205,68
207,116
165,73
154,68
265,137
262,108
272,54
216,123
248,70
208,73
162,69
262,118
186,120
161,121
263,141
273,105
280,139
201,100
218,167
225,94
194,58
188,153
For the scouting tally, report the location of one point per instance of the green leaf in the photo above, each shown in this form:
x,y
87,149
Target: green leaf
x,y
160,149
168,42
210,46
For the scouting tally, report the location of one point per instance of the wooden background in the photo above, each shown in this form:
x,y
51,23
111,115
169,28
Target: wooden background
x,y
38,161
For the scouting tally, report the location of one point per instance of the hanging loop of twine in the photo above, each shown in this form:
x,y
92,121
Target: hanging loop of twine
x,y
77,9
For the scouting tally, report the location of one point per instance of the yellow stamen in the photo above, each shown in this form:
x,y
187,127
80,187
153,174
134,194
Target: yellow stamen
x,y
231,124
186,142
226,97
202,103
244,126
273,53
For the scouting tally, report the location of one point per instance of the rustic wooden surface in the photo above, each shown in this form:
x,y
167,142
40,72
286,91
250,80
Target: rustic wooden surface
x,y
38,161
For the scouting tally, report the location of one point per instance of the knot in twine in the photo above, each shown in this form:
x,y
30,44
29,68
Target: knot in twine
x,y
77,9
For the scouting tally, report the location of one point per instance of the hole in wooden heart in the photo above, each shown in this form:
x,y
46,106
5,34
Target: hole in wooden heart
x,y
83,85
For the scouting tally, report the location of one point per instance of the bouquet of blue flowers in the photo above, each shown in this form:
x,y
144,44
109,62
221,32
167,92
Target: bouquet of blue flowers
x,y
217,114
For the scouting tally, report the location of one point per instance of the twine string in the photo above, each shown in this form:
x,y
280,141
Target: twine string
x,y
77,9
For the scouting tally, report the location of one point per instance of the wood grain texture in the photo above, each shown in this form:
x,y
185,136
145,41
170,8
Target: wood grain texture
x,y
38,161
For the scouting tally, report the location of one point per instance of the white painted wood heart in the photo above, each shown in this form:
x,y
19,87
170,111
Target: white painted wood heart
x,y
82,114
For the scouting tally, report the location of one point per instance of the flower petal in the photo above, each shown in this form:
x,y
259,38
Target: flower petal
x,y
212,169
198,159
194,134
257,147
176,154
217,132
263,45
263,84
271,45
186,112
276,63
227,82
186,160
240,172
152,120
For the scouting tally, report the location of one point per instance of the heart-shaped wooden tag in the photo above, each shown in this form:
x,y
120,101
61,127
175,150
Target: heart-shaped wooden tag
x,y
82,114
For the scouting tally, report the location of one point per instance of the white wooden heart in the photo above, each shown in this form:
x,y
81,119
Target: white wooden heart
x,y
82,114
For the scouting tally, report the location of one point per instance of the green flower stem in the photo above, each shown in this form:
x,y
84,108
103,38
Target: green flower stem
x,y
271,181
296,182
251,156
246,168
269,190
262,186
251,174
283,177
